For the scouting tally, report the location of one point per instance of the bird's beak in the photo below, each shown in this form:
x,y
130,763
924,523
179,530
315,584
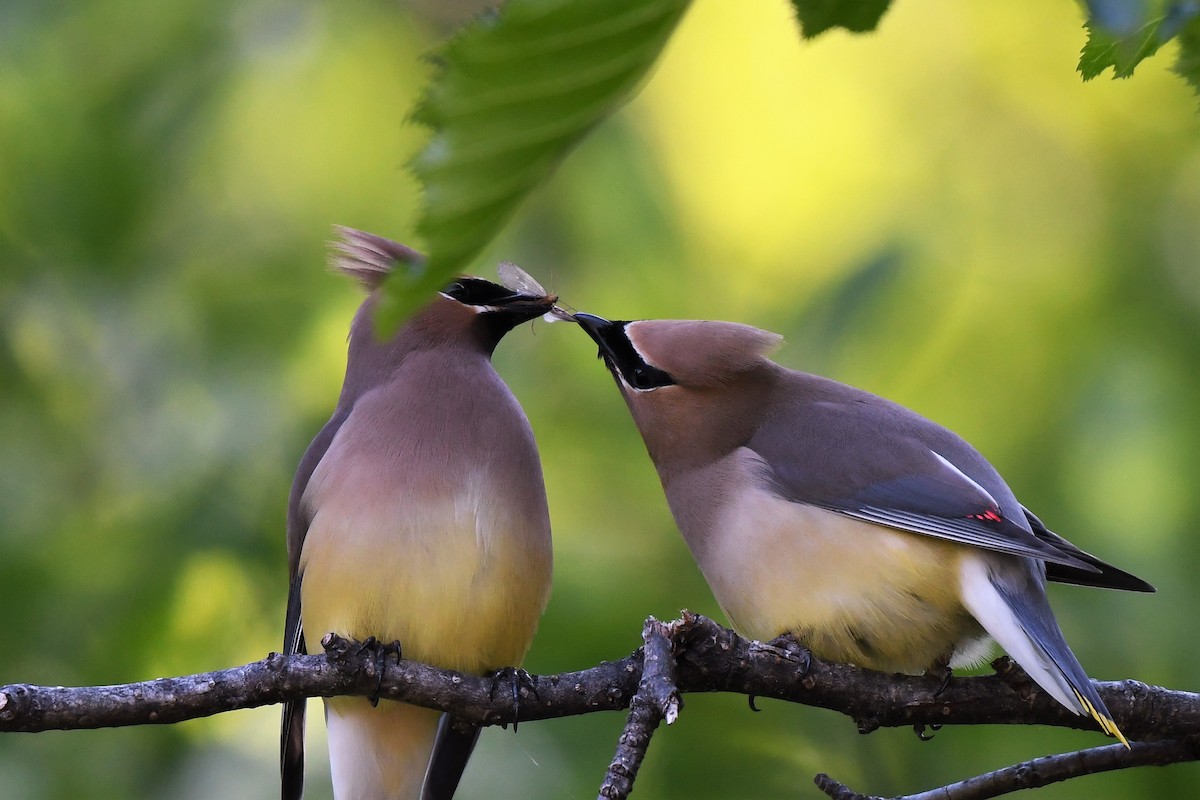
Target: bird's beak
x,y
592,324
598,328
528,306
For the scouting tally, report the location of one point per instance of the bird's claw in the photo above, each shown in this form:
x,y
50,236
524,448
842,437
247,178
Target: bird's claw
x,y
788,648
919,729
942,673
380,651
517,678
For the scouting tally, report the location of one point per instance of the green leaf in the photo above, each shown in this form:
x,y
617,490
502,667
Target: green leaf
x,y
1123,33
1187,64
1122,53
818,16
515,91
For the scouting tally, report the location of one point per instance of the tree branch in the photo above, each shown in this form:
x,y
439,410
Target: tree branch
x,y
693,654
1043,771
657,699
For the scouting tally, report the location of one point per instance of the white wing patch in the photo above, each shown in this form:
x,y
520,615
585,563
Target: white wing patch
x,y
964,476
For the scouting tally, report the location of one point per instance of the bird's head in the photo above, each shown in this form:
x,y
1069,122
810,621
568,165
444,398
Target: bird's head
x,y
652,354
695,388
500,307
469,309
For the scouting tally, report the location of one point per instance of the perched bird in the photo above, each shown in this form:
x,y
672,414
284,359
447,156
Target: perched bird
x,y
873,535
418,515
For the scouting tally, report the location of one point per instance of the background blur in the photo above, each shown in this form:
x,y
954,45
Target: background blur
x,y
941,213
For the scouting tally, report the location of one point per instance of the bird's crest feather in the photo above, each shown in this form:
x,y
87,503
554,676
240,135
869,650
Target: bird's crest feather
x,y
701,352
368,258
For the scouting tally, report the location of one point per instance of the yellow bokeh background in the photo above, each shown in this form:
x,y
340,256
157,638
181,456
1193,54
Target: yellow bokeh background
x,y
940,212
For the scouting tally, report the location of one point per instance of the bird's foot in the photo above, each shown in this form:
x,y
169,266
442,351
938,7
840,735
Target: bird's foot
x,y
380,651
788,648
516,678
919,729
940,672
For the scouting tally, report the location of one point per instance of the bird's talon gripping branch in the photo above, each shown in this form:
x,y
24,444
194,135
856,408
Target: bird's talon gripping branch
x,y
378,651
517,679
942,673
788,648
753,707
919,729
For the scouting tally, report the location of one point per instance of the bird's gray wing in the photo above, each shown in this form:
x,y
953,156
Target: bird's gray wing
x,y
1109,577
862,456
291,729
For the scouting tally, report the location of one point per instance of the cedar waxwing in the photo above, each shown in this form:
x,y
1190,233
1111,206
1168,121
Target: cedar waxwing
x,y
873,535
418,515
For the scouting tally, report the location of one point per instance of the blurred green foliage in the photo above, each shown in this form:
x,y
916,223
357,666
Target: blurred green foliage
x,y
965,228
513,94
817,16
1123,33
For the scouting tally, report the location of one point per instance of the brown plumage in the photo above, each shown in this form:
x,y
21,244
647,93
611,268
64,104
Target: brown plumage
x,y
818,509
418,514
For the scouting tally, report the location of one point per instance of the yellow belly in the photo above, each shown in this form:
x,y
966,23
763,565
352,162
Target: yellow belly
x,y
458,582
436,537
850,590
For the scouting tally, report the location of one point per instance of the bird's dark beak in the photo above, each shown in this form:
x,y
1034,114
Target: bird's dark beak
x,y
592,324
527,306
600,329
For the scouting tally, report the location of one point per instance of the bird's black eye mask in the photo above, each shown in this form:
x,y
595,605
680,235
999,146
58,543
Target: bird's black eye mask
x,y
478,292
623,357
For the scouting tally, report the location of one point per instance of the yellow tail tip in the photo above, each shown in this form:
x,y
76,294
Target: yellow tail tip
x,y
1106,724
1117,733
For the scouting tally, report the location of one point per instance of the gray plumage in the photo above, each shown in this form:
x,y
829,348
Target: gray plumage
x,y
417,514
812,507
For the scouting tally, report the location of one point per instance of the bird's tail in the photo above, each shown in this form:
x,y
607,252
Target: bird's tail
x,y
378,753
1008,597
